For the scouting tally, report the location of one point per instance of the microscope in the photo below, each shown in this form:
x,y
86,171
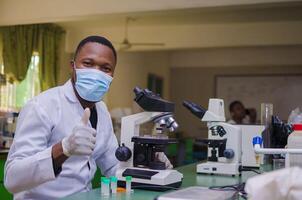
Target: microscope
x,y
137,153
224,140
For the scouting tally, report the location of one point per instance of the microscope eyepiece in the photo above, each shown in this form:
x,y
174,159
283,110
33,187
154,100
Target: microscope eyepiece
x,y
152,102
137,90
197,110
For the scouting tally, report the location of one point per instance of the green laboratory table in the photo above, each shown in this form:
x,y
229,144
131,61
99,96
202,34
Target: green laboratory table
x,y
4,194
190,179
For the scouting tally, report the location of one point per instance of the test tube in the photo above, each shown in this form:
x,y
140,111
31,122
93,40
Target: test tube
x,y
128,184
106,184
113,184
102,185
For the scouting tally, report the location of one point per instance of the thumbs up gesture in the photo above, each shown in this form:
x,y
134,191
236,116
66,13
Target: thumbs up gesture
x,y
82,139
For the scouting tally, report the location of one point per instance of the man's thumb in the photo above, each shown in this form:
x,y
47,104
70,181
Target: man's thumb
x,y
86,116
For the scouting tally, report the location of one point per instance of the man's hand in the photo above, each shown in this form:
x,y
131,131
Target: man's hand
x,y
82,140
160,156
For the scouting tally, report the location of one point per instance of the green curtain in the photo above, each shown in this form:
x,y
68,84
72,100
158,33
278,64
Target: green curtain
x,y
49,40
19,43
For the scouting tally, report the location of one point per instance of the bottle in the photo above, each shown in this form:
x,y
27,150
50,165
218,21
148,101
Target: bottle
x,y
113,184
294,141
102,185
106,184
128,184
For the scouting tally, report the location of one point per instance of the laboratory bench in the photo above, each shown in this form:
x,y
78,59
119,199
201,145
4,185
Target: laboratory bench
x,y
4,194
190,179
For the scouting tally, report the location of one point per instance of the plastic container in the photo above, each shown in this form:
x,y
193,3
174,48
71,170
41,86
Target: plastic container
x,y
294,141
113,184
102,184
106,185
128,183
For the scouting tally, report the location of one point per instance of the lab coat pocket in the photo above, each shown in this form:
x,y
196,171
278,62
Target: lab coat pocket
x,y
92,169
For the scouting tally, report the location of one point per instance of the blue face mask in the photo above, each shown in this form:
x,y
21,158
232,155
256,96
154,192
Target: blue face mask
x,y
92,84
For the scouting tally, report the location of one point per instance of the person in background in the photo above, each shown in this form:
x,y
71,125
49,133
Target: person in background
x,y
65,133
240,115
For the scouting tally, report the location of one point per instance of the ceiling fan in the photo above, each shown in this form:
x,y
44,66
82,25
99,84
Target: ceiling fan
x,y
126,44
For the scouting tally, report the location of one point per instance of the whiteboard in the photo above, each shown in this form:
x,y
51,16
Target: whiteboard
x,y
283,91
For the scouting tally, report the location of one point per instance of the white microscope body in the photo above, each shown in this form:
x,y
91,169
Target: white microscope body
x,y
224,140
139,163
140,176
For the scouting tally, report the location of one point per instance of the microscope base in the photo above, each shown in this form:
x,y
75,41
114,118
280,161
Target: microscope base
x,y
151,187
149,179
219,168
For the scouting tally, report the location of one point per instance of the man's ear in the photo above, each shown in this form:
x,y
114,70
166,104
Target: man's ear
x,y
73,74
71,64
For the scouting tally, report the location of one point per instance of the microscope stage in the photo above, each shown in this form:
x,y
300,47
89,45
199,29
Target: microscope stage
x,y
154,140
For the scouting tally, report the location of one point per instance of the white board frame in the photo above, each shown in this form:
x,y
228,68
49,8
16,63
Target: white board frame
x,y
283,90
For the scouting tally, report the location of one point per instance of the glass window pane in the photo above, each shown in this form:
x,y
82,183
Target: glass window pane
x,y
14,96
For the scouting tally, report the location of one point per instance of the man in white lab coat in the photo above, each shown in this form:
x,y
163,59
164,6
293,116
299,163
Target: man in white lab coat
x,y
64,133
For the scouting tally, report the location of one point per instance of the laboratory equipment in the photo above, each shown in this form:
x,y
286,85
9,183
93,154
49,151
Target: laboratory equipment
x,y
278,163
266,120
224,140
249,158
294,147
102,185
137,153
197,193
128,184
113,184
266,113
279,132
106,187
7,129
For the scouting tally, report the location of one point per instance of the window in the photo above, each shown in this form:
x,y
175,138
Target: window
x,y
13,96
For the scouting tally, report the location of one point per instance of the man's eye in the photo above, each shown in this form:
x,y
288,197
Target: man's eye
x,y
106,69
87,63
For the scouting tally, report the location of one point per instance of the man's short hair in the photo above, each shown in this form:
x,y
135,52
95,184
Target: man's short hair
x,y
233,104
97,39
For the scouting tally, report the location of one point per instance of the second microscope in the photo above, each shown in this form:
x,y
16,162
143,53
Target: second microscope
x,y
224,140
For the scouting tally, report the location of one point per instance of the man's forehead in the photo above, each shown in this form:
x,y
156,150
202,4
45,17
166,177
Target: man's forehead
x,y
94,48
239,106
91,45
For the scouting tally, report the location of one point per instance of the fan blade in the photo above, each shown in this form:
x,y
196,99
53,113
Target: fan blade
x,y
146,44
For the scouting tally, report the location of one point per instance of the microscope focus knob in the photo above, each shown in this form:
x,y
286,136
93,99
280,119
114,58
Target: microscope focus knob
x,y
123,153
228,153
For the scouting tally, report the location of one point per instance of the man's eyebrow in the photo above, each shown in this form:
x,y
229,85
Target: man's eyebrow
x,y
87,58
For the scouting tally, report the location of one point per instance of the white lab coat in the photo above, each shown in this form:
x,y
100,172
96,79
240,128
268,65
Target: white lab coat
x,y
43,122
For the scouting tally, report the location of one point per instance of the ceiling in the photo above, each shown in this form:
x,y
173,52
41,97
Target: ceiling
x,y
214,15
39,11
180,24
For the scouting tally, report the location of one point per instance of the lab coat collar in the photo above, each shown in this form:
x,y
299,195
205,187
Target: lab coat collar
x,y
69,92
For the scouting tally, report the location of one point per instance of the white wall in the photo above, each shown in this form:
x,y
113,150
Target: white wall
x,y
194,36
241,57
132,70
193,75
